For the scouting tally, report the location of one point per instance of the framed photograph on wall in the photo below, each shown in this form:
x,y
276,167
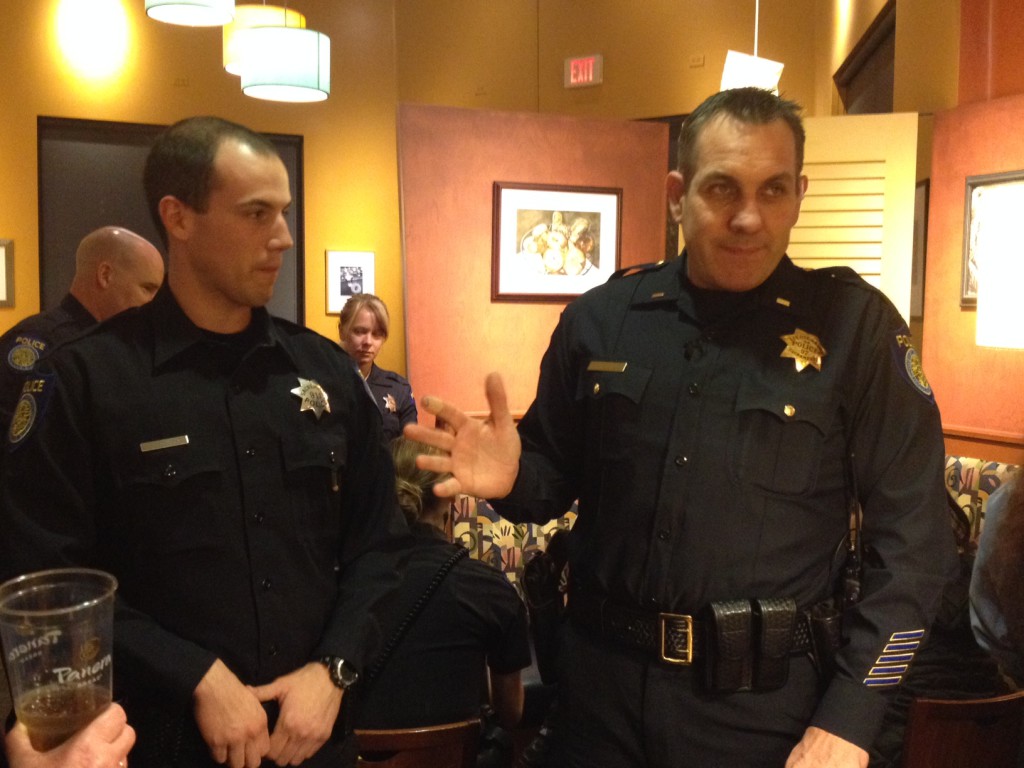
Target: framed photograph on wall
x,y
992,204
348,273
553,242
6,273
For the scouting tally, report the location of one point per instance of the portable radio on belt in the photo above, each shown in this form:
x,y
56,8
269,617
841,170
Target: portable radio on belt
x,y
853,568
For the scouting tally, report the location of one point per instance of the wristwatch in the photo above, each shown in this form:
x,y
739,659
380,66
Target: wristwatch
x,y
341,672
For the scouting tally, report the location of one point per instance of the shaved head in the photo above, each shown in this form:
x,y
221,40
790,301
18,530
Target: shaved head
x,y
115,269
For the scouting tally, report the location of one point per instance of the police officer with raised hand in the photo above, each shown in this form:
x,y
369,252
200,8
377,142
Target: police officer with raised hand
x,y
718,417
227,467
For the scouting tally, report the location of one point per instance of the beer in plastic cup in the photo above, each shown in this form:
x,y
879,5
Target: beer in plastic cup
x,y
57,633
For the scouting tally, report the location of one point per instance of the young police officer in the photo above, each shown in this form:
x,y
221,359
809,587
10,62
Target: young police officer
x,y
226,466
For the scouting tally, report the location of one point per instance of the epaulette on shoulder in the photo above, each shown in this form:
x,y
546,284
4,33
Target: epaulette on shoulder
x,y
637,269
846,276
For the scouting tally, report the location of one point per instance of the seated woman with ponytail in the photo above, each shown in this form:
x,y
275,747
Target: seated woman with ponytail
x,y
460,627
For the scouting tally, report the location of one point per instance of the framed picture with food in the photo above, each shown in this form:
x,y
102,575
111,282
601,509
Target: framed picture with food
x,y
553,242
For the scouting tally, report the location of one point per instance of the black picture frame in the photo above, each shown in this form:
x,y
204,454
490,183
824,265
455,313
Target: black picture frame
x,y
552,242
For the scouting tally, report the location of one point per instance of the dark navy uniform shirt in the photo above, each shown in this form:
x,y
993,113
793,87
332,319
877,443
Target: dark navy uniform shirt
x,y
706,437
436,673
237,487
393,396
25,343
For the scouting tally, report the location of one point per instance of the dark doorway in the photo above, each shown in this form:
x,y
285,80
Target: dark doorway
x,y
90,175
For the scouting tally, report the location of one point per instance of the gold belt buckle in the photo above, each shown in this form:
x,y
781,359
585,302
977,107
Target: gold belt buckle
x,y
663,619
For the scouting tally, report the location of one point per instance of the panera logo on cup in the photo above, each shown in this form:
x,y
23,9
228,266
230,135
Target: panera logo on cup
x,y
36,644
84,674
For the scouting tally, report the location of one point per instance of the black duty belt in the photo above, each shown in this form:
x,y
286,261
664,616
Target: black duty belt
x,y
673,638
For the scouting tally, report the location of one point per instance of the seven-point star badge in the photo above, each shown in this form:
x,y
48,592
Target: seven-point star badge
x,y
312,396
805,349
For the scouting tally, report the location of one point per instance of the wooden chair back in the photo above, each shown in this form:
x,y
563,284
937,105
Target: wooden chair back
x,y
453,745
946,733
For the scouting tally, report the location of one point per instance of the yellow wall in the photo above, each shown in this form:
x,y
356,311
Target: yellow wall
x,y
510,55
173,72
497,55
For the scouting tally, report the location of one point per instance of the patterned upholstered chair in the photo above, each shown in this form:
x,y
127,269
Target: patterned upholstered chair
x,y
493,539
971,481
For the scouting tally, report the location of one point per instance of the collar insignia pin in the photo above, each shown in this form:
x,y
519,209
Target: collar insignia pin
x,y
313,397
390,404
805,349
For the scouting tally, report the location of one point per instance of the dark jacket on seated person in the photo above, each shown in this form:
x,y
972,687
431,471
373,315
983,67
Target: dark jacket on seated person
x,y
437,674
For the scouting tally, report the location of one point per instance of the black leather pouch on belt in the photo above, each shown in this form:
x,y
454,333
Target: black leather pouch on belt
x,y
826,636
728,665
775,621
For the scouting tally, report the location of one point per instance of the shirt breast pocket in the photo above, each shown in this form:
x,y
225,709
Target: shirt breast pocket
x,y
614,401
168,471
314,470
164,498
780,437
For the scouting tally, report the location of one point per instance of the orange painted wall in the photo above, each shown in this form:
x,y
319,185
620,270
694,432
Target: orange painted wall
x,y
990,60
978,389
449,159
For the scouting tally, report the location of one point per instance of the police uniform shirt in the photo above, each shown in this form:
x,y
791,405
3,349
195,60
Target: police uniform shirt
x,y
225,481
24,344
705,435
393,396
435,674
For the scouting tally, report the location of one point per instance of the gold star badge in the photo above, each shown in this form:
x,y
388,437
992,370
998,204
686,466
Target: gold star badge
x,y
312,396
805,349
390,404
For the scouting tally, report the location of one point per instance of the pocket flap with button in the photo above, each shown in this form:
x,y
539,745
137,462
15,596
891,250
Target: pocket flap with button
x,y
779,435
168,467
600,380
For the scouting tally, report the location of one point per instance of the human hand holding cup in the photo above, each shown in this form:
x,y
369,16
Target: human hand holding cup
x,y
57,632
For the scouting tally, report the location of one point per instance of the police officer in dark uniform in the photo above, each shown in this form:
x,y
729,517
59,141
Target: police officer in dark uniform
x,y
363,327
718,417
114,269
226,467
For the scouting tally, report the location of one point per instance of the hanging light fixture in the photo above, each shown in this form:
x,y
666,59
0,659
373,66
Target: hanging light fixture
x,y
742,69
294,64
192,13
248,16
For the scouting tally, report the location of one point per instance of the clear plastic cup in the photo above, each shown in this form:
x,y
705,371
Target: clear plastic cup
x,y
57,633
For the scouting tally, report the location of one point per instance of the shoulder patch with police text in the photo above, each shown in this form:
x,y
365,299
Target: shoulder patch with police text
x,y
25,353
908,363
35,394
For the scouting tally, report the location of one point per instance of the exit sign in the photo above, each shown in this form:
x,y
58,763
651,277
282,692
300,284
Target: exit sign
x,y
584,70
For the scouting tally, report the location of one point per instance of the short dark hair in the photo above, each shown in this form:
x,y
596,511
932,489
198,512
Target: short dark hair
x,y
180,163
755,106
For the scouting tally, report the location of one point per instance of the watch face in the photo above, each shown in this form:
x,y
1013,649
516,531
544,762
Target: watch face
x,y
342,675
346,674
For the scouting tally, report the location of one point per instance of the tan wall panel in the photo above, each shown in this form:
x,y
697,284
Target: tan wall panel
x,y
870,142
842,202
849,170
863,267
838,251
840,219
865,186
